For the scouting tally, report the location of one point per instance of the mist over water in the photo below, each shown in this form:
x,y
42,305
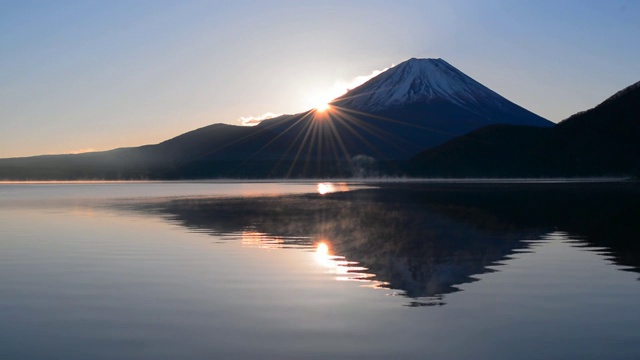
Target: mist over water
x,y
317,270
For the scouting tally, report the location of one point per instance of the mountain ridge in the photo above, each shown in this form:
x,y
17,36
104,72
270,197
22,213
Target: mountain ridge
x,y
430,102
423,110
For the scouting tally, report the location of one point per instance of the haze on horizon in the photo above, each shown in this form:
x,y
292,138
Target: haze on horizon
x,y
96,75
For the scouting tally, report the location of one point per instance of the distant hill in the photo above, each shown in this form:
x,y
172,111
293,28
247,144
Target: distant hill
x,y
415,105
603,141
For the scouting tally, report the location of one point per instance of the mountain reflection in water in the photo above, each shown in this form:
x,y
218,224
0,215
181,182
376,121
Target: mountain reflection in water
x,y
423,240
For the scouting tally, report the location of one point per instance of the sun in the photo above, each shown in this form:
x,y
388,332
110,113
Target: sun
x,y
319,101
322,249
322,107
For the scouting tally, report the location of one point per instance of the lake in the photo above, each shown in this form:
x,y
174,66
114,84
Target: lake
x,y
318,270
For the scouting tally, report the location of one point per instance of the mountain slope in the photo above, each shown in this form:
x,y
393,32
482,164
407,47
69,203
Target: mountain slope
x,y
218,141
603,141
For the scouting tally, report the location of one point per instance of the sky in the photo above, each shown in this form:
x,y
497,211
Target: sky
x,y
79,76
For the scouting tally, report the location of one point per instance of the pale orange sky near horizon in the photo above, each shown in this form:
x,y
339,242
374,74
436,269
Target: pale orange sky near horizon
x,y
76,76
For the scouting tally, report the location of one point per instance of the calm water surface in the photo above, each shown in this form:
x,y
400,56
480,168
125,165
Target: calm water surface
x,y
212,270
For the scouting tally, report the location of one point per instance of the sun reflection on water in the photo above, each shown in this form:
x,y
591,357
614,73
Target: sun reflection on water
x,y
344,269
337,265
329,187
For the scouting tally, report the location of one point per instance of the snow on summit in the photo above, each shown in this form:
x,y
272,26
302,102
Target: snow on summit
x,y
417,80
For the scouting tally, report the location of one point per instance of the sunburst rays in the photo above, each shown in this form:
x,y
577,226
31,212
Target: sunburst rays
x,y
326,138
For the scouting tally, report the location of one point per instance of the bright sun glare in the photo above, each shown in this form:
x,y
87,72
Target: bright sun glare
x,y
322,107
325,188
322,249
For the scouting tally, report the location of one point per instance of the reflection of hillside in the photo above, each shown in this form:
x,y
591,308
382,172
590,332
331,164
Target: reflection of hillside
x,y
598,214
407,245
425,240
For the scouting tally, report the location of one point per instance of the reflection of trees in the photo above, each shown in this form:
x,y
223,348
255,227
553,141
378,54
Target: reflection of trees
x,y
425,240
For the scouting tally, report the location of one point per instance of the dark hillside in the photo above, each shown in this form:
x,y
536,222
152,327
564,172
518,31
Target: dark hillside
x,y
603,141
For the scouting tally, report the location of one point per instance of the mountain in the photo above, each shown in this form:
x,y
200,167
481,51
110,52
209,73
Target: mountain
x,y
603,141
432,81
415,105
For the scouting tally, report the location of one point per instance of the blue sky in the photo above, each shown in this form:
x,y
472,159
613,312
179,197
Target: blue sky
x,y
79,75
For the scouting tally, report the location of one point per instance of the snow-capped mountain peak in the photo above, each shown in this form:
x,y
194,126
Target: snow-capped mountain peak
x,y
417,80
